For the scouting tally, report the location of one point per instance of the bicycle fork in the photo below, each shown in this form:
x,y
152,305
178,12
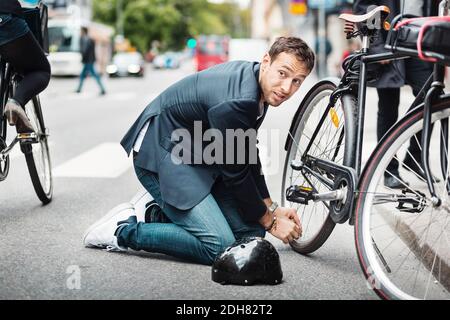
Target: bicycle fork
x,y
437,88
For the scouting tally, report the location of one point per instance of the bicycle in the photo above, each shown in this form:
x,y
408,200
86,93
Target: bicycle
x,y
400,234
33,145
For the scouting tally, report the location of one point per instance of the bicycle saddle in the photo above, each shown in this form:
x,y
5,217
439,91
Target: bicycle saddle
x,y
383,11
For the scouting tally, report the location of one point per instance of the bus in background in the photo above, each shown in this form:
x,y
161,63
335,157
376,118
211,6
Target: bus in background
x,y
64,45
211,50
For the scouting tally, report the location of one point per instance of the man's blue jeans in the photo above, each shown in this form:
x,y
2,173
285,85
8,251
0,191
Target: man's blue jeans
x,y
198,234
89,68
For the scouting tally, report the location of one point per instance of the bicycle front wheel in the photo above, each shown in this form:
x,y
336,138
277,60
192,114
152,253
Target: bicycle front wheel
x,y
334,143
401,238
37,154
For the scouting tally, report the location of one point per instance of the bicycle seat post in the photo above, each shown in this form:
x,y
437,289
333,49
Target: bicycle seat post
x,y
369,23
361,105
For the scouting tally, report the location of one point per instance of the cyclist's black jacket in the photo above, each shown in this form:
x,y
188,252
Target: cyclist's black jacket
x,y
11,6
87,49
391,75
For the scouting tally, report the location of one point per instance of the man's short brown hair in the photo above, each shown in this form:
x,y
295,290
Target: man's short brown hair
x,y
295,46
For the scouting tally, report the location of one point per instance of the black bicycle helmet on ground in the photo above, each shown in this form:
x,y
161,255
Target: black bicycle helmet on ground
x,y
248,261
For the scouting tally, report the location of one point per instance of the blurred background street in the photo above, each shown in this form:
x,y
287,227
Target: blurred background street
x,y
41,245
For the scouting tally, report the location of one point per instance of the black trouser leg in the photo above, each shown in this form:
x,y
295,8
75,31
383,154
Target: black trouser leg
x,y
417,73
27,57
388,102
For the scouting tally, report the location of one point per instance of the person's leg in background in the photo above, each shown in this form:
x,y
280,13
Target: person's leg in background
x,y
96,76
388,103
198,234
417,73
27,57
83,76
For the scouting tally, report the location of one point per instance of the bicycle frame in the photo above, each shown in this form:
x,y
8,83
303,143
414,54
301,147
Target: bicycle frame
x,y
344,161
348,85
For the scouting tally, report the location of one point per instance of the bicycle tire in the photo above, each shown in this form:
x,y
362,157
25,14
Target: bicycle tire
x,y
348,104
37,155
377,267
4,163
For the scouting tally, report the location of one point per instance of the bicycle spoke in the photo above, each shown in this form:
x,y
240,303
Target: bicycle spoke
x,y
404,184
444,189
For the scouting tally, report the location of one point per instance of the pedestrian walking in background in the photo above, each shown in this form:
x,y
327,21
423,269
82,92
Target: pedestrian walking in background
x,y
87,49
392,75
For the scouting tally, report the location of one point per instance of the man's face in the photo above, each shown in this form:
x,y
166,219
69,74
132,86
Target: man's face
x,y
281,78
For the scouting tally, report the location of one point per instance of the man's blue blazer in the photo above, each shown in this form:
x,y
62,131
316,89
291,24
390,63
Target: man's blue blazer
x,y
223,97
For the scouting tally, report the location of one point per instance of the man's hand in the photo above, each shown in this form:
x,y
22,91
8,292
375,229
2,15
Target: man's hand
x,y
289,213
286,229
287,226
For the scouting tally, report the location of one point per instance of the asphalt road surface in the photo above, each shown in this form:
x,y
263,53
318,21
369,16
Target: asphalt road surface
x,y
41,254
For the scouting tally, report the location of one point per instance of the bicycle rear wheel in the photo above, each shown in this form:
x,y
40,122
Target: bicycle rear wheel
x,y
333,143
401,239
37,154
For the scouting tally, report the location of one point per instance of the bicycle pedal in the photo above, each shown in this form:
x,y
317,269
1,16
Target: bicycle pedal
x,y
300,194
411,201
27,137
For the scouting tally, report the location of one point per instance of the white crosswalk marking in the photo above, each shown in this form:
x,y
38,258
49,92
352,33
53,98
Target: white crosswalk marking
x,y
122,96
107,160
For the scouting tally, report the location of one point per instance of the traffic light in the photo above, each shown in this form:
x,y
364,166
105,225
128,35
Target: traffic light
x,y
191,43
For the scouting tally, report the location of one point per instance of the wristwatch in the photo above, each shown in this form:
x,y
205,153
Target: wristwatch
x,y
273,207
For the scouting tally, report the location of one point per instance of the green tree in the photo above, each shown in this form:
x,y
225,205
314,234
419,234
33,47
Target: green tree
x,y
172,22
148,20
235,20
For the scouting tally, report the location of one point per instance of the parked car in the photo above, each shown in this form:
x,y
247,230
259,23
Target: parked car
x,y
168,60
126,64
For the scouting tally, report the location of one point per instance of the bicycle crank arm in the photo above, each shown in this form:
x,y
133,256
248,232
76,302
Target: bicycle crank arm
x,y
335,195
5,152
303,195
21,137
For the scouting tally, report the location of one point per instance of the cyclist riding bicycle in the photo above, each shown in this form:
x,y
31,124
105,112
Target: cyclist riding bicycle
x,y
19,47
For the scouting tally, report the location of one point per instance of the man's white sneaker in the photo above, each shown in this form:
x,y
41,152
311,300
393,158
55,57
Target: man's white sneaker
x,y
140,202
101,233
146,208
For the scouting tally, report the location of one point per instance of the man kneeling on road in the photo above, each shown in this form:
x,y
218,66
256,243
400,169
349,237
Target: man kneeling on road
x,y
208,201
